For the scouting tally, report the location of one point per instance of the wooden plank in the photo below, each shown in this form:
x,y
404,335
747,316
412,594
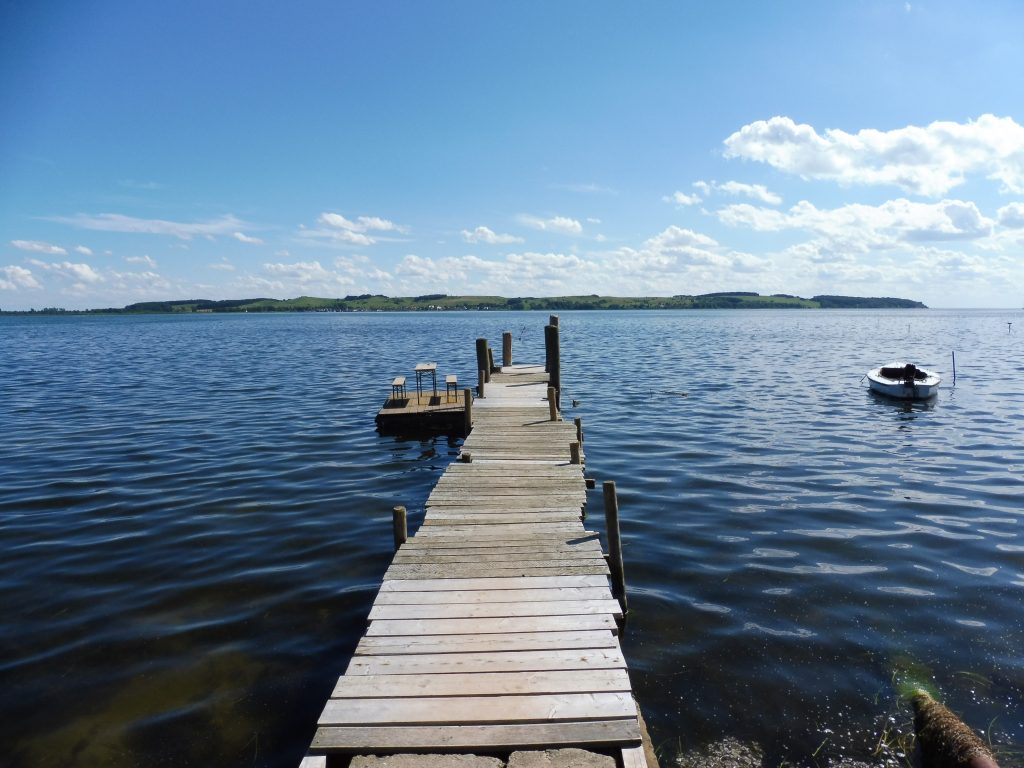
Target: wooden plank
x,y
446,549
495,610
523,582
481,684
465,571
493,556
493,596
479,737
491,626
527,517
484,538
313,761
633,757
474,710
509,641
486,661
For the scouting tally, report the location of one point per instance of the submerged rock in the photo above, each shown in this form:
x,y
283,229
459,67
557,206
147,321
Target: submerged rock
x,y
946,742
728,753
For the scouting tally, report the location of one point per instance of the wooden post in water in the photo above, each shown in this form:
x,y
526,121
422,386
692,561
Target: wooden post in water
x,y
574,452
552,404
506,348
481,361
398,522
553,356
579,429
480,386
490,362
611,515
553,320
467,399
466,457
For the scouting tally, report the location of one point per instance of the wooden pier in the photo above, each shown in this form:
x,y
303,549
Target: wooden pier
x,y
495,628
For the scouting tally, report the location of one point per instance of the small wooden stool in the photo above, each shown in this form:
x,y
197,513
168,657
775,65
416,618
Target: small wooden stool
x,y
451,386
398,388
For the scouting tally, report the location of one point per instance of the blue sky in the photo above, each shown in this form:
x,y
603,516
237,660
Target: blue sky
x,y
242,149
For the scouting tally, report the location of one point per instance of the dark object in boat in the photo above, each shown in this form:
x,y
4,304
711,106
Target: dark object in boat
x,y
908,374
945,741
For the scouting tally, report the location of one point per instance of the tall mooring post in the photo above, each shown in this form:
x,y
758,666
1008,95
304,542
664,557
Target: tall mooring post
x,y
483,359
611,514
467,399
552,357
506,348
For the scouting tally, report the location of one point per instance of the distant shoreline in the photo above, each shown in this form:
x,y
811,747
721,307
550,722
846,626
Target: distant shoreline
x,y
443,302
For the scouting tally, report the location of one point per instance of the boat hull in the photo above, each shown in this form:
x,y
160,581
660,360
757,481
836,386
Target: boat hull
x,y
921,389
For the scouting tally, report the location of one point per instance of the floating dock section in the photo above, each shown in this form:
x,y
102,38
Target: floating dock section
x,y
495,628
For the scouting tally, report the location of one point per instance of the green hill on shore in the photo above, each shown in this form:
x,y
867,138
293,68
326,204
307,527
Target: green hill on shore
x,y
442,302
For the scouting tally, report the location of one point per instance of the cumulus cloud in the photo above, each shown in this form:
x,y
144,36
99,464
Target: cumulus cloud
x,y
148,261
79,273
682,199
488,236
755,191
244,238
856,223
37,246
1012,215
561,224
116,222
926,160
15,277
337,228
83,250
223,266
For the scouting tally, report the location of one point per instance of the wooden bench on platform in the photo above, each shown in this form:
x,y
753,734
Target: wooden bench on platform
x,y
398,388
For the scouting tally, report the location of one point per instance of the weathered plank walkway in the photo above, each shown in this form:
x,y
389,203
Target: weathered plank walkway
x,y
495,627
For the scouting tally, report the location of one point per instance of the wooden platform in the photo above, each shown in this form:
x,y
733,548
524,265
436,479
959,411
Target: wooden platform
x,y
495,627
429,411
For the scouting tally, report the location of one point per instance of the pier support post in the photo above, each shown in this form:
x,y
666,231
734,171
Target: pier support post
x,y
480,386
398,522
467,399
481,359
552,404
490,363
553,356
579,429
506,348
611,514
574,452
553,320
466,457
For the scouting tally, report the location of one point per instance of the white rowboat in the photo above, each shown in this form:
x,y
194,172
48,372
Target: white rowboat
x,y
904,380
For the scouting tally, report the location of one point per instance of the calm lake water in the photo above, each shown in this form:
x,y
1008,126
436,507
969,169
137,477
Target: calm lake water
x,y
195,516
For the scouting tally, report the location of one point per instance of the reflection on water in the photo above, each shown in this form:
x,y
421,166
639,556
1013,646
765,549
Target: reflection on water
x,y
196,514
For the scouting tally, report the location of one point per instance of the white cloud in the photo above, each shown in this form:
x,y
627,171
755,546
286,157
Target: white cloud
x,y
561,224
83,250
80,273
244,238
223,266
488,236
1012,215
864,226
15,277
341,230
115,222
37,246
682,199
148,261
755,191
927,160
